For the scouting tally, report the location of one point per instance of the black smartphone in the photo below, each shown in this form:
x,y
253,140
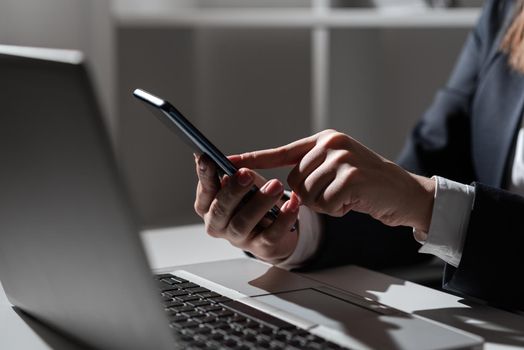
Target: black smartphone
x,y
175,121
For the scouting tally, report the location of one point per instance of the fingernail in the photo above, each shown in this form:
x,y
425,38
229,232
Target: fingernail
x,y
293,206
272,188
295,202
244,178
224,181
201,165
297,198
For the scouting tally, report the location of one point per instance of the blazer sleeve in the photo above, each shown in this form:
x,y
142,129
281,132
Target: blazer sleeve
x,y
491,265
439,144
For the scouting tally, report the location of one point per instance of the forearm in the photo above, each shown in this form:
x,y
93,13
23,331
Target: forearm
x,y
359,239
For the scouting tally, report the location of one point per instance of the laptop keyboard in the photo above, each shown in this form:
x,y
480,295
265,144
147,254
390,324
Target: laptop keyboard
x,y
203,319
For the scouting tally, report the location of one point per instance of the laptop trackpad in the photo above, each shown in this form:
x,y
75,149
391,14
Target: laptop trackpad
x,y
321,308
363,323
354,325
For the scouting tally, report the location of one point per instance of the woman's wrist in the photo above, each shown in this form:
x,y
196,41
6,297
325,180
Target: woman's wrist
x,y
421,206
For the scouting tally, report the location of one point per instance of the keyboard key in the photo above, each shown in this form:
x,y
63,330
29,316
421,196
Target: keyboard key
x,y
206,319
281,337
170,280
198,290
236,333
203,330
220,325
178,318
184,298
185,337
229,342
196,303
164,287
197,344
261,316
297,342
221,313
275,344
265,330
179,279
208,308
220,299
171,304
187,285
247,331
182,308
263,344
200,337
252,325
250,337
187,331
289,333
175,293
185,324
238,318
193,313
290,347
236,325
261,337
242,347
208,294
216,336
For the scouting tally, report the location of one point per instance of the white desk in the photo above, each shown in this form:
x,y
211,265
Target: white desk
x,y
502,330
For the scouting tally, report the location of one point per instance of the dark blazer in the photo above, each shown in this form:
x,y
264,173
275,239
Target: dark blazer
x,y
466,135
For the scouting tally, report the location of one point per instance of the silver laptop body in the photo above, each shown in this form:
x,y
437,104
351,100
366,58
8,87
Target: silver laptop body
x,y
70,252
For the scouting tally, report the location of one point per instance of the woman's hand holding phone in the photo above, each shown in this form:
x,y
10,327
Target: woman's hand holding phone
x,y
244,225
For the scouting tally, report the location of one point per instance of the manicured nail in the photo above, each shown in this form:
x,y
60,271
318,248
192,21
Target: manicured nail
x,y
244,178
272,188
293,206
297,198
201,165
294,202
225,181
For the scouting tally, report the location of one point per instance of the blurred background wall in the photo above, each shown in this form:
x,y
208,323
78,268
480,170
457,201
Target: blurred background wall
x,y
71,24
251,74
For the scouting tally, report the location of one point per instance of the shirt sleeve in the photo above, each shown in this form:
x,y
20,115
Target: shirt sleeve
x,y
309,238
449,221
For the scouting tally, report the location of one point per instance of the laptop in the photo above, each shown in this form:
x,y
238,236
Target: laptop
x,y
71,255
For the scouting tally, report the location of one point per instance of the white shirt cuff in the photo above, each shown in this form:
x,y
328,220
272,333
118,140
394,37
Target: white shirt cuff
x,y
449,221
309,237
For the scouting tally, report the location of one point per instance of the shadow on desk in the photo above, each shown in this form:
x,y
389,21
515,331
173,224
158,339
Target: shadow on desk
x,y
494,325
54,339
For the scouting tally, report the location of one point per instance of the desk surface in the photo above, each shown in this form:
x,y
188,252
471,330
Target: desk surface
x,y
500,329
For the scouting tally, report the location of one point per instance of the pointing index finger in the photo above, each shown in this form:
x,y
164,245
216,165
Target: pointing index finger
x,y
289,154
